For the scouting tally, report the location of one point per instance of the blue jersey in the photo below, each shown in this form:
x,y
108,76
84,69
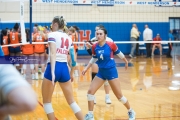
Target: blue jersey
x,y
105,54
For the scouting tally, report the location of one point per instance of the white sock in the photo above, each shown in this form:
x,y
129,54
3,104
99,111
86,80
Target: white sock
x,y
90,112
42,75
129,110
107,95
36,75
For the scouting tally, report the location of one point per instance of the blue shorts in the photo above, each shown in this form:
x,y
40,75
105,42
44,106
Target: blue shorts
x,y
61,72
14,50
107,73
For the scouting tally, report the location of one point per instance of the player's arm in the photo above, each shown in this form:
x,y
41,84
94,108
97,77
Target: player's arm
x,y
119,54
52,46
92,61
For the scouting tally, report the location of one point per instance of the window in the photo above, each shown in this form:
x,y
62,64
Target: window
x,y
174,23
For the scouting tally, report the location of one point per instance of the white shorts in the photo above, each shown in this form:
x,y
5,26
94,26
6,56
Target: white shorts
x,y
10,79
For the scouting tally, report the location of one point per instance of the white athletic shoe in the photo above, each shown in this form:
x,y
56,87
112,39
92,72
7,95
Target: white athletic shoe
x,y
107,100
132,115
89,117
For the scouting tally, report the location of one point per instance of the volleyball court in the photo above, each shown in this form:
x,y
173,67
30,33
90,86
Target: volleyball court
x,y
153,64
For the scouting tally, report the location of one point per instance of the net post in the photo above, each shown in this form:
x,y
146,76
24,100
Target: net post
x,y
30,20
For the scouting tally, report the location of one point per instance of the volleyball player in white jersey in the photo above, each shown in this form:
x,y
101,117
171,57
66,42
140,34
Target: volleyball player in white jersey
x,y
57,69
94,68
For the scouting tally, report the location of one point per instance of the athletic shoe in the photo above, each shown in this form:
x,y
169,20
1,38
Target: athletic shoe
x,y
130,56
107,100
132,115
89,117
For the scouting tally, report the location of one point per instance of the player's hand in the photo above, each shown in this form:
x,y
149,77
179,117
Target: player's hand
x,y
126,66
84,71
72,79
53,78
88,45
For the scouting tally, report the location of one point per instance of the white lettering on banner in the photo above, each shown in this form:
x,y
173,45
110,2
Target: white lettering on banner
x,y
62,51
66,1
158,3
119,2
107,2
141,3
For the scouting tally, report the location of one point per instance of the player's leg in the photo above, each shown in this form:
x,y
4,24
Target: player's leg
x,y
65,84
107,89
47,95
116,88
95,85
36,66
94,71
76,68
42,56
68,93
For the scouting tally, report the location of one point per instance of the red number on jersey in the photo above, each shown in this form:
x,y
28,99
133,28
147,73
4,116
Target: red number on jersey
x,y
66,43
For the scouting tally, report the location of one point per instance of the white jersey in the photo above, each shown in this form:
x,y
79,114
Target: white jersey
x,y
107,39
63,43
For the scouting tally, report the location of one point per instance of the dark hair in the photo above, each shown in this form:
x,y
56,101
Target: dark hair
x,y
4,32
35,25
100,26
27,31
16,26
75,27
103,29
60,21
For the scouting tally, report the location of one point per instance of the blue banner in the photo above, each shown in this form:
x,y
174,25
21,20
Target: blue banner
x,y
22,60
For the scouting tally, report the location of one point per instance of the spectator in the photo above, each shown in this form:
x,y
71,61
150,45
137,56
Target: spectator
x,y
157,38
137,44
171,38
134,36
147,36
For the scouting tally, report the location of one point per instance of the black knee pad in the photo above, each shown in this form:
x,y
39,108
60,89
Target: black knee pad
x,y
93,75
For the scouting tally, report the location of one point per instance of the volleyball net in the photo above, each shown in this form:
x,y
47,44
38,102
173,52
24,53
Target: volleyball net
x,y
116,16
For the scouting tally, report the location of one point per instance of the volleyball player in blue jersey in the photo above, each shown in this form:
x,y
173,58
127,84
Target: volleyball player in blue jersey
x,y
103,52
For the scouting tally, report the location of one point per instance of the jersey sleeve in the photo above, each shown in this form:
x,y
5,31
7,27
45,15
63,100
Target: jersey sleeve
x,y
113,47
93,51
51,38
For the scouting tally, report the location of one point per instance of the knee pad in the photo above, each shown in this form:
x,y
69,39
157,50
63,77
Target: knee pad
x,y
24,66
123,100
75,107
90,97
48,108
93,75
106,83
32,66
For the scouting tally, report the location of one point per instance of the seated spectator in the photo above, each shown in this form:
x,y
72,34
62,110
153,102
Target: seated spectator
x,y
157,45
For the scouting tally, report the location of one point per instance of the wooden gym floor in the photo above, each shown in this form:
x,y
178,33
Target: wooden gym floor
x,y
151,85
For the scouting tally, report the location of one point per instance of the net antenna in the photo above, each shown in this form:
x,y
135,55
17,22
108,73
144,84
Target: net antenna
x,y
22,26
